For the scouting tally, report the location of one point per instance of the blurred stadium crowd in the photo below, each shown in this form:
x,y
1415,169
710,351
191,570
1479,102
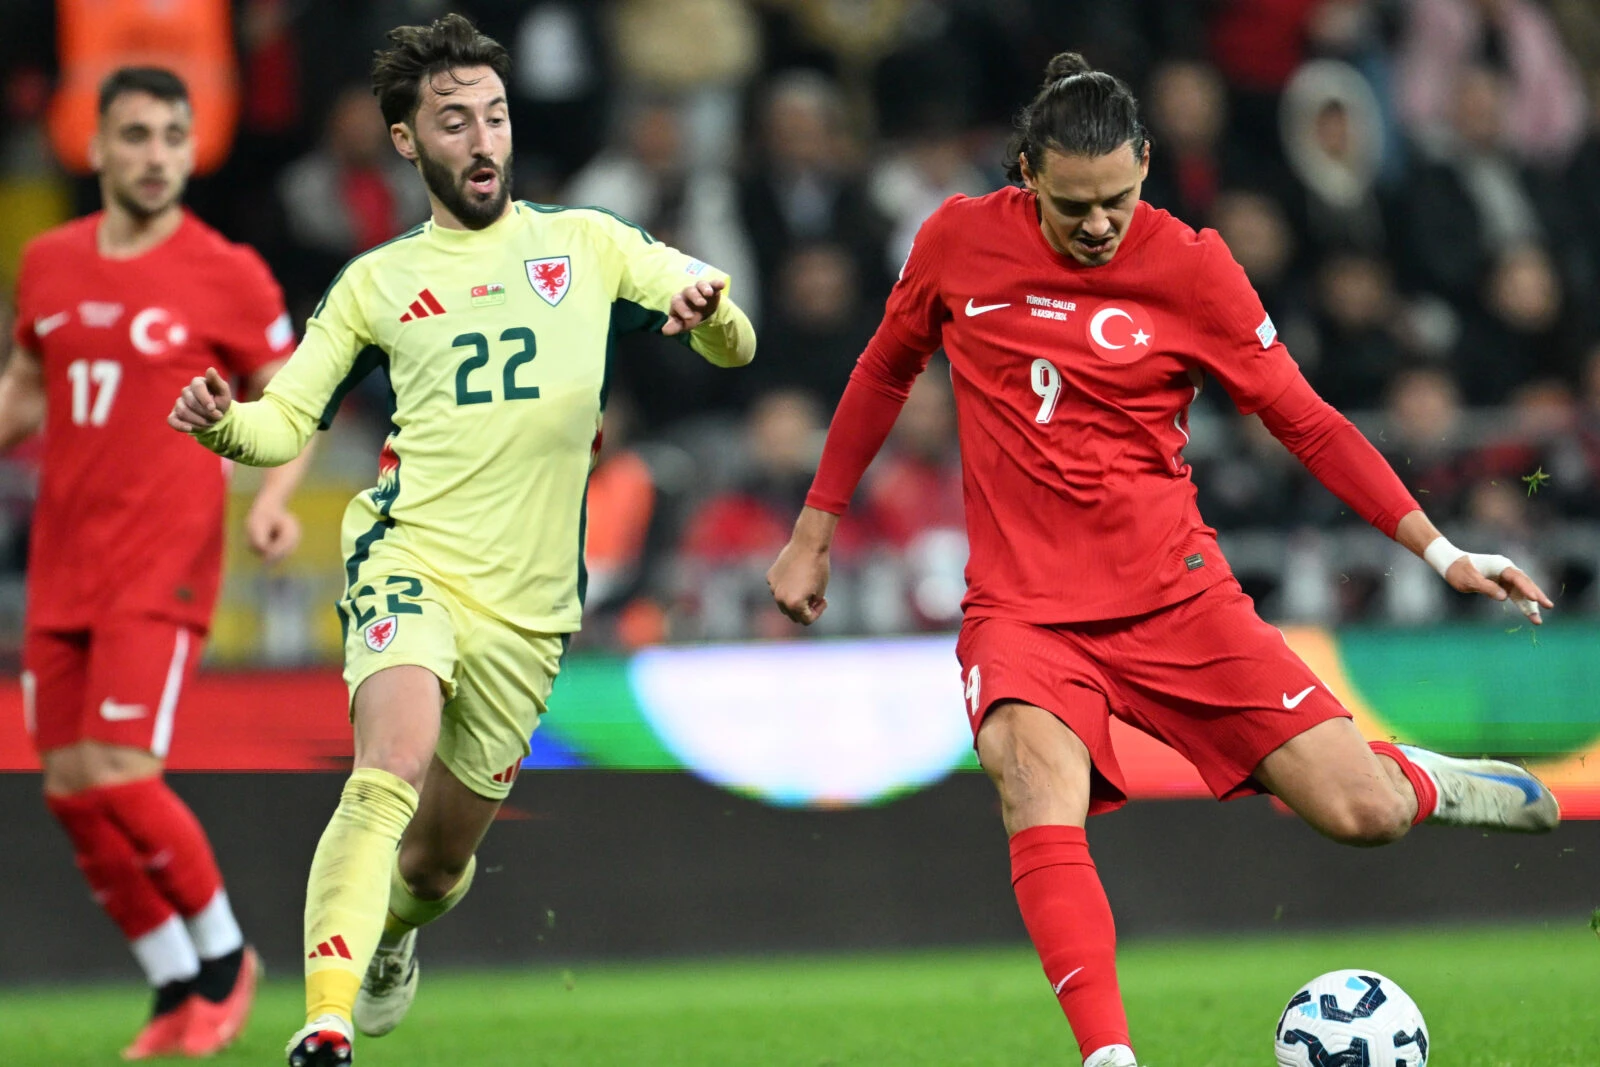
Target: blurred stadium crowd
x,y
1413,186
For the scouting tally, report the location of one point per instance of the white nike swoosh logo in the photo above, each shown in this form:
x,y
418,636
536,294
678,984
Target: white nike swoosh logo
x,y
1294,701
1062,984
111,711
50,323
972,310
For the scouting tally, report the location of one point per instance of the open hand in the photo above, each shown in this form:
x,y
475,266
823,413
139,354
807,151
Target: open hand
x,y
1495,578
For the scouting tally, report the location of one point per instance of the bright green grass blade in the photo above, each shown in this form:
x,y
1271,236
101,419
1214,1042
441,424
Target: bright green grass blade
x,y
1523,996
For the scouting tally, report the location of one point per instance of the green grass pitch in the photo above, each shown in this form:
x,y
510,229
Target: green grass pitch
x,y
1526,996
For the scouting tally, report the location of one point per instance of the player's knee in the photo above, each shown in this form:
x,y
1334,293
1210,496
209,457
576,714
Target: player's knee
x,y
66,770
1036,765
1368,822
406,763
430,876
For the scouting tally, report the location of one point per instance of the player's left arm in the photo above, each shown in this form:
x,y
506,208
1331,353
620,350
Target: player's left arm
x,y
693,296
1240,346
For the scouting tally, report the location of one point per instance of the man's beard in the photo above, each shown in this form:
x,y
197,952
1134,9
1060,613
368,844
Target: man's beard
x,y
451,190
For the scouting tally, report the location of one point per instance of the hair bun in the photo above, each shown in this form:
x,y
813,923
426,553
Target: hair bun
x,y
1064,65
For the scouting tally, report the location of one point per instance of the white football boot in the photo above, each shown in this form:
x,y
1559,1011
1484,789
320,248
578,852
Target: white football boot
x,y
1112,1056
325,1041
1488,794
389,987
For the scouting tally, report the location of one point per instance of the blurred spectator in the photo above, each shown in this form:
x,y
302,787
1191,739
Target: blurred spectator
x,y
751,521
1258,45
1447,38
1333,140
1189,160
1525,329
1468,199
1357,315
1424,440
646,178
700,52
802,184
560,86
914,496
816,328
1253,483
353,191
1541,439
930,165
631,510
733,536
1580,193
1258,235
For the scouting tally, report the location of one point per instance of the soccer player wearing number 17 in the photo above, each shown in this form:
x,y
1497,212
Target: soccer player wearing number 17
x,y
1078,322
495,322
114,312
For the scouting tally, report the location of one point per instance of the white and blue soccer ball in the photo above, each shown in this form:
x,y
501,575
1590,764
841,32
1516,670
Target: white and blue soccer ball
x,y
1351,1019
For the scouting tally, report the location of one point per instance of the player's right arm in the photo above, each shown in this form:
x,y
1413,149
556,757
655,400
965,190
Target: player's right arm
x,y
22,399
910,332
273,430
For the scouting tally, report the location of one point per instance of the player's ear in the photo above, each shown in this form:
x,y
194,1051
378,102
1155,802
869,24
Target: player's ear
x,y
404,139
97,151
1144,161
1028,177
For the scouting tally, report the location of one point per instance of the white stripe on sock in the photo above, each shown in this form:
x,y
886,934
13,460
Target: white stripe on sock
x,y
214,930
166,954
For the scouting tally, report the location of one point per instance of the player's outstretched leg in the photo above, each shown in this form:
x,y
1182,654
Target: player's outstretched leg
x,y
390,984
1483,793
184,870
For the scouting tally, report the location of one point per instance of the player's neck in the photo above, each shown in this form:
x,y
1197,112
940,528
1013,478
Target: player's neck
x,y
123,235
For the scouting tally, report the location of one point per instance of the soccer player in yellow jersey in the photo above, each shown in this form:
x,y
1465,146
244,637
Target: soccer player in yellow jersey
x,y
495,322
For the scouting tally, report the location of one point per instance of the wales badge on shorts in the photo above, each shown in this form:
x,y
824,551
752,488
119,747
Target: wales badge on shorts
x,y
379,633
550,277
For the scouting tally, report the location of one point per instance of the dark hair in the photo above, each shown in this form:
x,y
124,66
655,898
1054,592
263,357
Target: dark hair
x,y
157,81
1080,112
419,52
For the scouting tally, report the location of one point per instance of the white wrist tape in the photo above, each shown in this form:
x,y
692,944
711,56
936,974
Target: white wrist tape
x,y
1441,554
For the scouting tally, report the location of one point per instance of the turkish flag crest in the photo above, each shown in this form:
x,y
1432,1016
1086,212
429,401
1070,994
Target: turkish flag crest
x,y
1120,331
550,277
379,635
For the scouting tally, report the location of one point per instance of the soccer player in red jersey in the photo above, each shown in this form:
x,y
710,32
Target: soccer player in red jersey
x,y
1079,323
115,313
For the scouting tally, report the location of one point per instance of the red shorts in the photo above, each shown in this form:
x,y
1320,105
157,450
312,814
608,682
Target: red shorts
x,y
1206,675
119,683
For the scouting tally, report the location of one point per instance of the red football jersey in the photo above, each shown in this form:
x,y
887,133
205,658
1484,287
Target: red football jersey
x,y
129,516
1072,388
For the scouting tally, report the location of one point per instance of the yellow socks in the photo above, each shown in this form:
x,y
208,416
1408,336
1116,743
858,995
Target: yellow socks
x,y
407,912
349,887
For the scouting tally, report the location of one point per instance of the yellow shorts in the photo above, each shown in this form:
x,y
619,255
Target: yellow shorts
x,y
495,678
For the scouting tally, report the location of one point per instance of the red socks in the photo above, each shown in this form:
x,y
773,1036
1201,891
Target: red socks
x,y
115,872
1421,784
169,838
1069,919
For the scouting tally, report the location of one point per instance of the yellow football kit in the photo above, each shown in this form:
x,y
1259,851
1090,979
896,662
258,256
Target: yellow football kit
x,y
467,557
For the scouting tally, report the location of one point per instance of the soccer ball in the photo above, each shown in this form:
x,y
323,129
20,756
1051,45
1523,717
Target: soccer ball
x,y
1351,1019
